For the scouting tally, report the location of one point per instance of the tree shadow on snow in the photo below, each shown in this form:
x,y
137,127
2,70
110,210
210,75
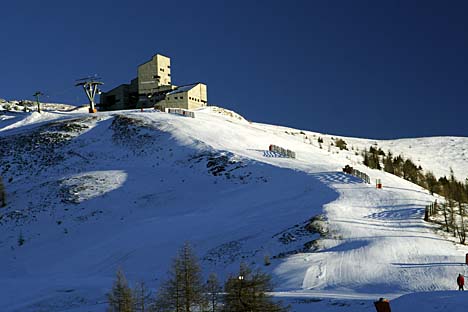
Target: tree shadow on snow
x,y
408,212
426,265
336,178
406,189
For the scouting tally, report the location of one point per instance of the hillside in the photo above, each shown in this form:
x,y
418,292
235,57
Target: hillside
x,y
92,193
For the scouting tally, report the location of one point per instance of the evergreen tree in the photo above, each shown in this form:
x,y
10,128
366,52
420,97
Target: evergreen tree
x,y
212,290
445,186
183,291
365,154
398,165
341,144
388,163
247,292
410,171
466,191
461,230
120,298
431,183
374,158
141,298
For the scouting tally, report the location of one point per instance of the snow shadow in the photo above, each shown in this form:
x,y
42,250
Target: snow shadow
x,y
407,212
427,265
268,153
406,189
165,192
272,154
347,246
8,118
336,178
398,227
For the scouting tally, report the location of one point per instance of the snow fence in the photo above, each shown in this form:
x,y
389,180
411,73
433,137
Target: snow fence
x,y
361,175
282,151
180,111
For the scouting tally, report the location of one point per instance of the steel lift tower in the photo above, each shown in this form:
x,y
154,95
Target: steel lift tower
x,y
91,87
37,94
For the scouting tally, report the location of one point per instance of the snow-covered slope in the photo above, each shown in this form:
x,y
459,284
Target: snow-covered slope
x,y
91,193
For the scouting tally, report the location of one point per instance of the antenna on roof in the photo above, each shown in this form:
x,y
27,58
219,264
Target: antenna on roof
x,y
90,85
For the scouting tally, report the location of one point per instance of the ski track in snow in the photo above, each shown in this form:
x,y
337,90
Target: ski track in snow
x,y
132,193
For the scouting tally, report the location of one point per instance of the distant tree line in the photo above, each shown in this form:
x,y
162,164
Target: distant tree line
x,y
185,291
450,188
453,210
455,207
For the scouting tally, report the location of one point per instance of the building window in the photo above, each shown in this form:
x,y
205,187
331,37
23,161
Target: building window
x,y
168,66
161,69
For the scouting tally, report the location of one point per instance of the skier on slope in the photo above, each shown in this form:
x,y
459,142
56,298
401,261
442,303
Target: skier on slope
x,y
460,282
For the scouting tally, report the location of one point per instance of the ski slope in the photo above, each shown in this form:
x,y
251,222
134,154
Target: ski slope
x,y
92,193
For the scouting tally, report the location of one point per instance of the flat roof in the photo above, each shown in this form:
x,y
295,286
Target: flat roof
x,y
184,88
153,58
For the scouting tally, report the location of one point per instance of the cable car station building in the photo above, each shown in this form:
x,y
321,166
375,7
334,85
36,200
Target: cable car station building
x,y
153,88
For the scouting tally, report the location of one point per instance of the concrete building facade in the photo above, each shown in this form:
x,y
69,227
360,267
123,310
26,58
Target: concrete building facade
x,y
154,74
153,88
188,97
122,97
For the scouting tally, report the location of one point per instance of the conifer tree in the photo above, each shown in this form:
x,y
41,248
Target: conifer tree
x,y
374,159
341,144
431,183
120,298
212,290
248,292
410,171
366,158
141,298
398,165
183,291
445,186
388,163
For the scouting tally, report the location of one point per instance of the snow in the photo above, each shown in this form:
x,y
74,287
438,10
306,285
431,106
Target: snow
x,y
126,189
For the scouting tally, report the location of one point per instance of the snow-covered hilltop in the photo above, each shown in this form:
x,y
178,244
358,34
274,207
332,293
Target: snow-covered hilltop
x,y
92,193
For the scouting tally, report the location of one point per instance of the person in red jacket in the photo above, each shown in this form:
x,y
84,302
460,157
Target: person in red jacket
x,y
460,282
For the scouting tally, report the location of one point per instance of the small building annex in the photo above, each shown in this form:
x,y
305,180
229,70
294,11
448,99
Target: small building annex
x,y
189,97
153,88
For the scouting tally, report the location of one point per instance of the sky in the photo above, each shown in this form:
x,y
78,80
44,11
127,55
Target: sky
x,y
375,69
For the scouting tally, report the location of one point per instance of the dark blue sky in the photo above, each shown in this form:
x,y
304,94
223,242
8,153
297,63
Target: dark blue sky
x,y
356,68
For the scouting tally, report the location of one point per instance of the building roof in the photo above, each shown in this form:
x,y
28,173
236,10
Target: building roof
x,y
152,58
183,88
